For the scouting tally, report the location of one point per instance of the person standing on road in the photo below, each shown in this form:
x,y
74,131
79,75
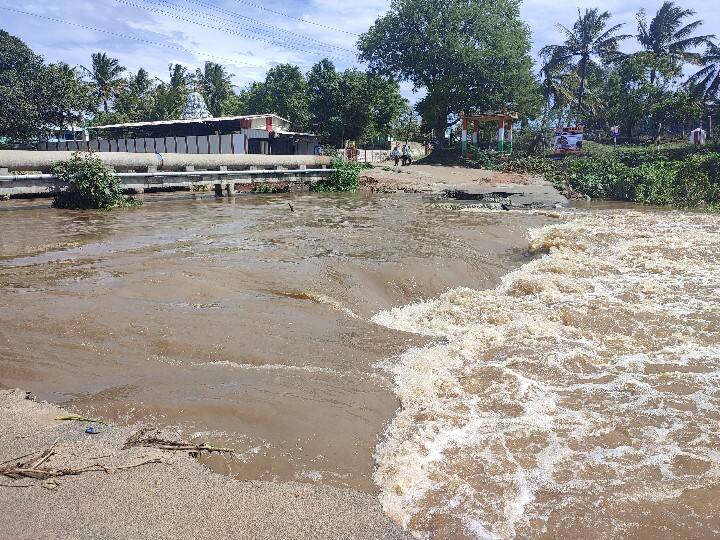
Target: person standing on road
x,y
406,157
396,154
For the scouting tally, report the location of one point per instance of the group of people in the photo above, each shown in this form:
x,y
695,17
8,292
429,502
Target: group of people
x,y
405,155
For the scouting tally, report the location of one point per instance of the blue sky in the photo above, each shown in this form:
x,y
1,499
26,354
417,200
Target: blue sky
x,y
249,36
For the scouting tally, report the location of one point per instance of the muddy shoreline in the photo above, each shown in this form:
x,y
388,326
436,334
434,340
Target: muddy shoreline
x,y
178,497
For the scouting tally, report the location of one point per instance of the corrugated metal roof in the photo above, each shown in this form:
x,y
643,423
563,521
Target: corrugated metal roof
x,y
193,121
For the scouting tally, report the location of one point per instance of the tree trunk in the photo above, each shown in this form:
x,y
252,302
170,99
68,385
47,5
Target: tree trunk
x,y
583,69
440,127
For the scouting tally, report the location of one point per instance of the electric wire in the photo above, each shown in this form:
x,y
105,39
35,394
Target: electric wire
x,y
194,13
200,54
288,16
236,15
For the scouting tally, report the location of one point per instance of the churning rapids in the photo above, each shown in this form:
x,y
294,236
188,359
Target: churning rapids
x,y
578,399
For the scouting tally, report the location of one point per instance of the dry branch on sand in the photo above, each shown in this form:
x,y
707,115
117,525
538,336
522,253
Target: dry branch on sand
x,y
35,467
145,437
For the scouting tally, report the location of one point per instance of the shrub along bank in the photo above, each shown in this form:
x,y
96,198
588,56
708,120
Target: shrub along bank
x,y
681,177
91,184
345,177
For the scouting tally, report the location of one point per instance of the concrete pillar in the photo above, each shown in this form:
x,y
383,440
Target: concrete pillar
x,y
223,167
501,135
4,171
152,169
464,137
510,141
189,168
230,188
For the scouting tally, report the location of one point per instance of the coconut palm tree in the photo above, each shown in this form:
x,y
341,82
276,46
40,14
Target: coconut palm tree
x,y
589,40
106,77
668,39
559,80
215,85
706,82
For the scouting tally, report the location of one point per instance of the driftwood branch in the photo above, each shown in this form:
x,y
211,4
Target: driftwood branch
x,y
38,469
77,418
142,438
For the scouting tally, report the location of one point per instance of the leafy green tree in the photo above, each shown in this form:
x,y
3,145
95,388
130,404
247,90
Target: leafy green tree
x,y
284,93
559,80
106,76
20,69
627,93
64,98
215,85
467,54
369,104
135,101
589,41
408,126
170,97
325,102
670,40
35,98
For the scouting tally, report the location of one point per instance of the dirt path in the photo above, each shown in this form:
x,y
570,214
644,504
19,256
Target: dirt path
x,y
436,178
508,190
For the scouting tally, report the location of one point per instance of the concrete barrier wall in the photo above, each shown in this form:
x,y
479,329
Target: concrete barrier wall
x,y
27,160
206,144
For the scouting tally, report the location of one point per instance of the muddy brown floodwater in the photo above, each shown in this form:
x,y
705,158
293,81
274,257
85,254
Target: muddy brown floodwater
x,y
238,321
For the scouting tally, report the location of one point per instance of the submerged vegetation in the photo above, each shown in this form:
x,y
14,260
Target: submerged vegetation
x,y
91,184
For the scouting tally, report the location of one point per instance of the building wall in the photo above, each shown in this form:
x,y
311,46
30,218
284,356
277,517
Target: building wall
x,y
201,144
251,141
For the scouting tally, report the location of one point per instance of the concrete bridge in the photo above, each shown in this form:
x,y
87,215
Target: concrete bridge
x,y
27,173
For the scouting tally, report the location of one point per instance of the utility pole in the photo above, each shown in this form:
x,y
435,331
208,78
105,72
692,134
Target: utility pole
x,y
710,125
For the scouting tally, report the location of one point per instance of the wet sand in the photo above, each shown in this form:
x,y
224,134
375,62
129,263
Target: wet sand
x,y
178,498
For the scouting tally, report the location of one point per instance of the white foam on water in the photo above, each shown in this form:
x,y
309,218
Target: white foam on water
x,y
582,394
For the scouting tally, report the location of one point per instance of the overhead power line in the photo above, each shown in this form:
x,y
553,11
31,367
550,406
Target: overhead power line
x,y
288,16
252,25
132,38
240,16
225,29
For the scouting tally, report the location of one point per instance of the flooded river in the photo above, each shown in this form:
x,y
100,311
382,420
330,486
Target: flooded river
x,y
558,373
239,321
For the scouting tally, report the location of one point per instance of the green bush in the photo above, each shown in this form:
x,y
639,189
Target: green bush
x,y
529,165
91,184
480,159
345,177
643,177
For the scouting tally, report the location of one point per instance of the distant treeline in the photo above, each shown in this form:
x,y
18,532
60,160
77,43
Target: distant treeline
x,y
36,97
465,55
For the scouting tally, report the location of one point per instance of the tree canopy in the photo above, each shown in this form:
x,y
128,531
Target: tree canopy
x,y
467,55
35,97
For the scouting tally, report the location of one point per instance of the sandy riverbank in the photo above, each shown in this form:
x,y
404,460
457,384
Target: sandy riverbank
x,y
513,191
437,178
173,499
